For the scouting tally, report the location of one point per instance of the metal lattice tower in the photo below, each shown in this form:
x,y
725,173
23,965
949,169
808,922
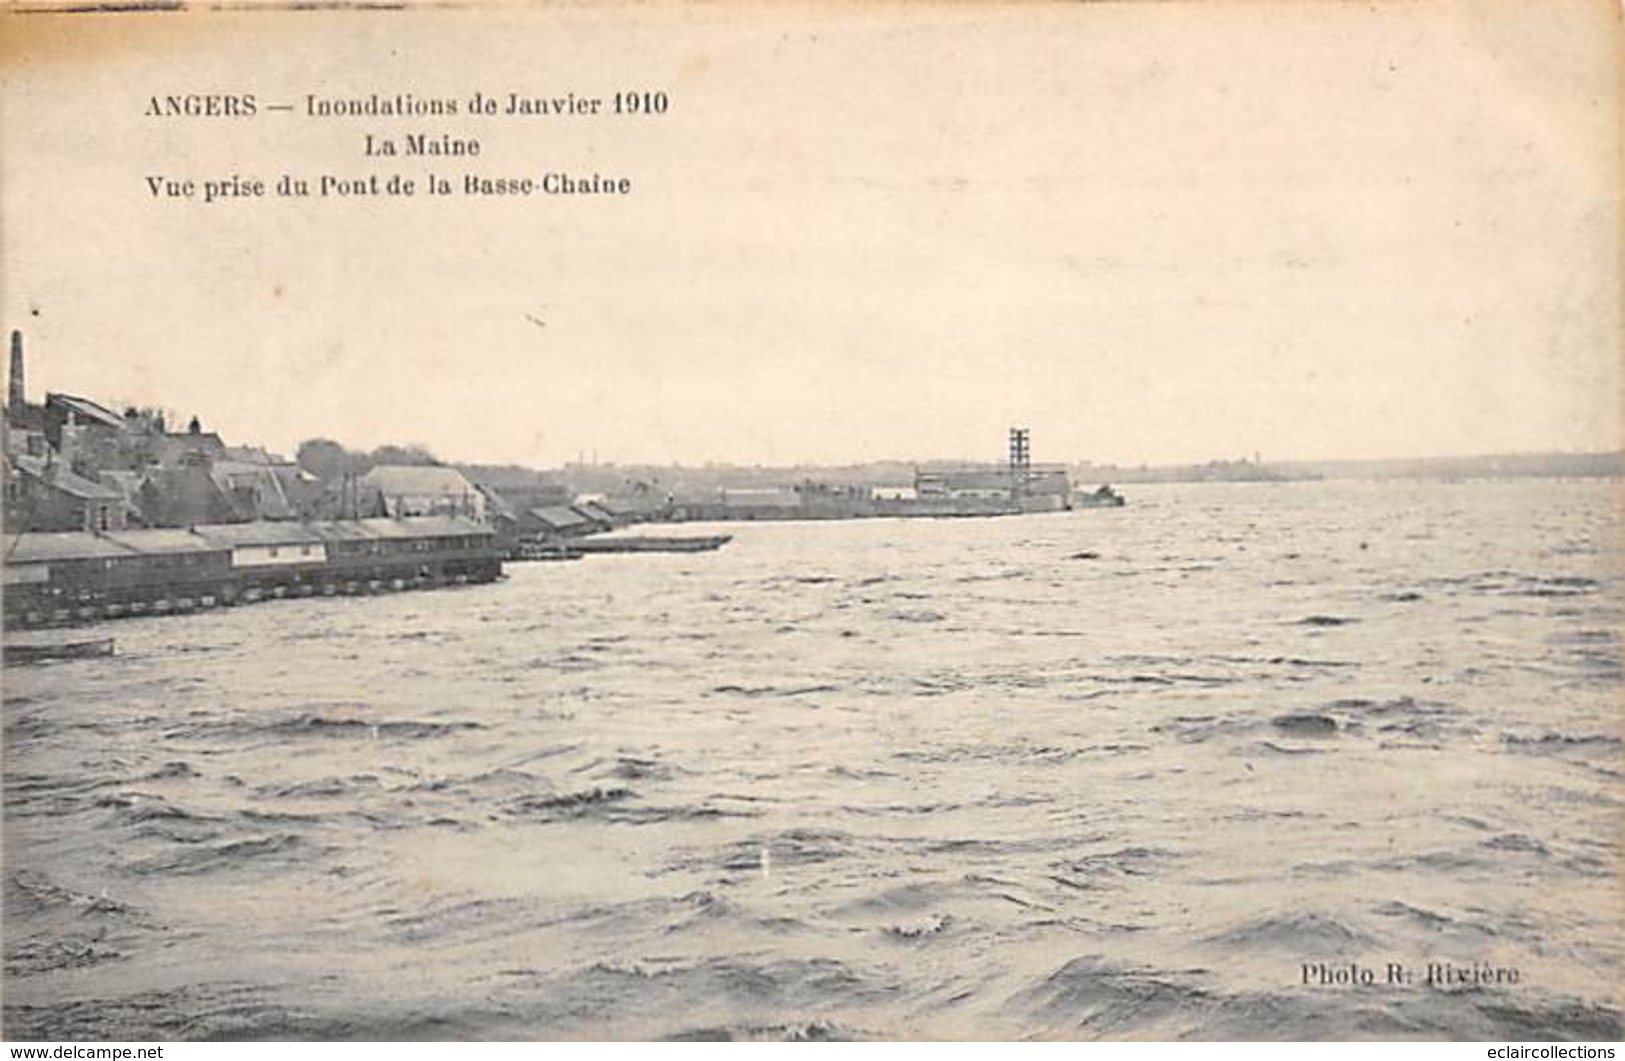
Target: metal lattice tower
x,y
1020,461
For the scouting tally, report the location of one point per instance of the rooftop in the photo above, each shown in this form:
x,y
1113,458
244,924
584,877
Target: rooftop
x,y
59,475
84,545
86,408
417,479
559,517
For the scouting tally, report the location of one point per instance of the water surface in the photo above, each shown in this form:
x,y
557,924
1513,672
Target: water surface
x,y
1098,774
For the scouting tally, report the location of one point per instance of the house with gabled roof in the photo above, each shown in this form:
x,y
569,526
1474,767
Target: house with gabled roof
x,y
45,494
425,490
554,521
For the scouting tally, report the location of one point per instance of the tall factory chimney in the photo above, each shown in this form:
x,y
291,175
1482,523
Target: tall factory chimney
x,y
16,396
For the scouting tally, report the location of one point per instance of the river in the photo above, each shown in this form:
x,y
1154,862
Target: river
x,y
1193,768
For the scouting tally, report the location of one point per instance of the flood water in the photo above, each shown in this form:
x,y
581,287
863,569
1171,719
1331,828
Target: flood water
x,y
1096,774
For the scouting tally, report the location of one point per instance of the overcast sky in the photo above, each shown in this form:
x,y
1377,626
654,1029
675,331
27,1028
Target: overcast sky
x,y
1149,232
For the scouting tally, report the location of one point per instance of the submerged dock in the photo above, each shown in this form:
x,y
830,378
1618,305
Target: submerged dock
x,y
576,548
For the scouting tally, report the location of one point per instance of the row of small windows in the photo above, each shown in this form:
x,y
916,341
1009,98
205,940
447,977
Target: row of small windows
x,y
162,560
414,545
304,550
313,551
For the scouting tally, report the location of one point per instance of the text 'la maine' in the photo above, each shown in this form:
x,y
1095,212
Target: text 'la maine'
x,y
426,144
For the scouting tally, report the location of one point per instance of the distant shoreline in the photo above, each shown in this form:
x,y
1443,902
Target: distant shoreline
x,y
1500,466
611,478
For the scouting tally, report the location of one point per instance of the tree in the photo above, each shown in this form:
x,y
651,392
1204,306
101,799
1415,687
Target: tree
x,y
411,453
324,458
329,461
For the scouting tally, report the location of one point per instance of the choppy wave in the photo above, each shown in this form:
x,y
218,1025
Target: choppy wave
x,y
1046,777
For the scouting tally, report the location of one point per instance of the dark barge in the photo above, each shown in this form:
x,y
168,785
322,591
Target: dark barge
x,y
576,548
14,653
698,543
54,579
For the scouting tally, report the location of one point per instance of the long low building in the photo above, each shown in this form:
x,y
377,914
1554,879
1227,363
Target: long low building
x,y
74,576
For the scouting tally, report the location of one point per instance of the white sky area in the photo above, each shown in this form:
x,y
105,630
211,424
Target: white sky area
x,y
1149,232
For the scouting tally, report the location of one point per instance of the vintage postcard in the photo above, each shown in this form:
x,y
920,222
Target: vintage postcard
x,y
813,521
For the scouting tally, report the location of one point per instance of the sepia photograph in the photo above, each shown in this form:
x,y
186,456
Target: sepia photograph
x,y
909,521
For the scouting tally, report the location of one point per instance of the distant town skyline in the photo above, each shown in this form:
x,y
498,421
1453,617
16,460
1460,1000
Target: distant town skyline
x,y
1391,232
